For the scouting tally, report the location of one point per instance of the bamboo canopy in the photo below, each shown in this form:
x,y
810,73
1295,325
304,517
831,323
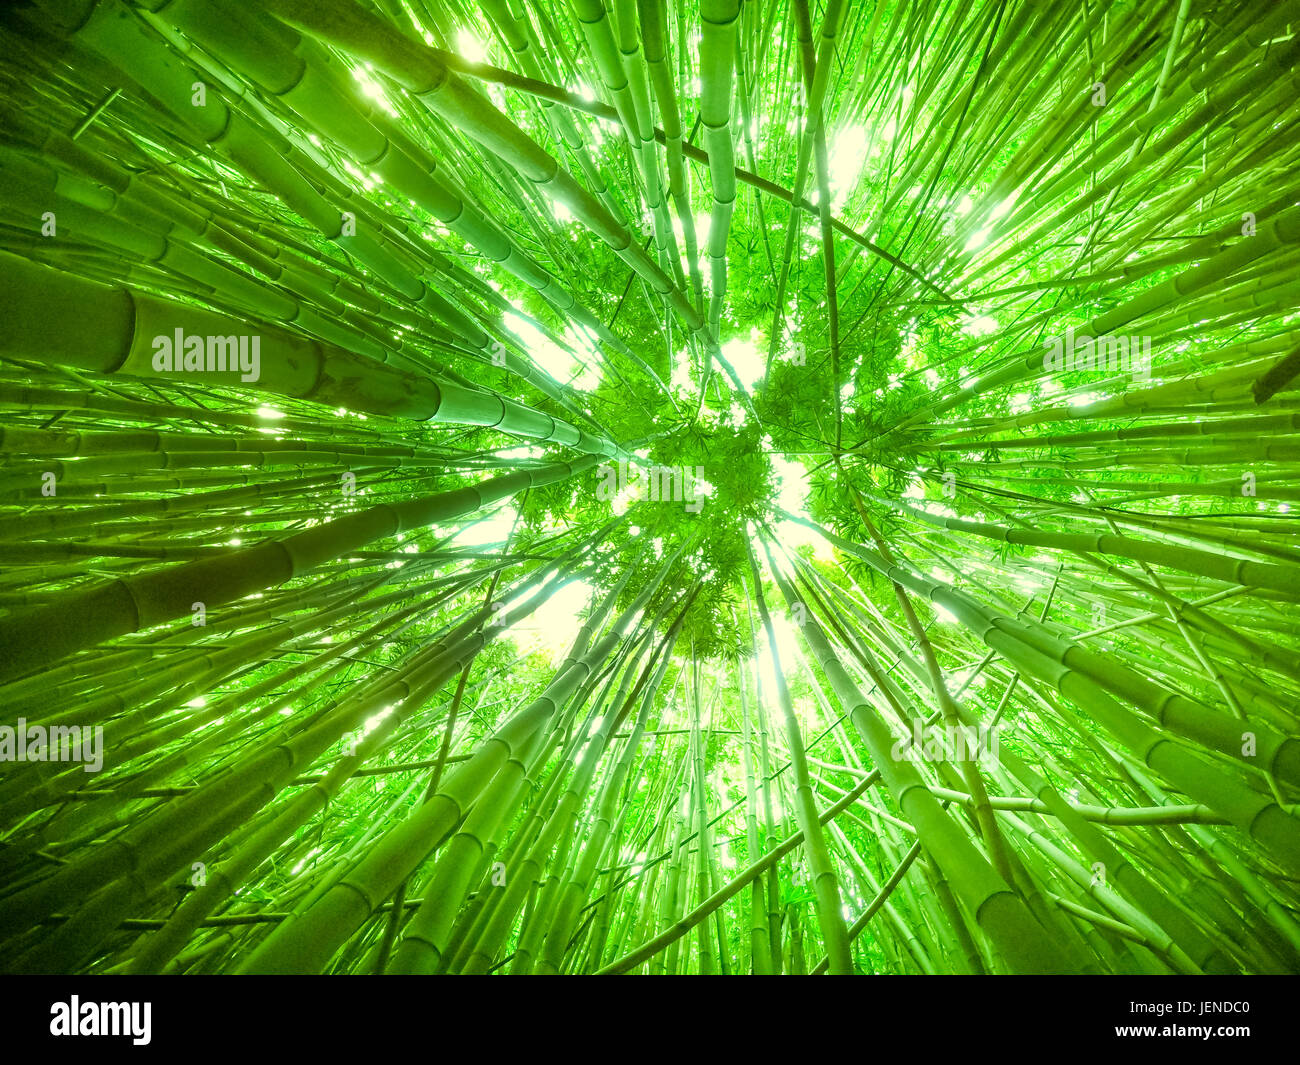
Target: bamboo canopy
x,y
567,486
